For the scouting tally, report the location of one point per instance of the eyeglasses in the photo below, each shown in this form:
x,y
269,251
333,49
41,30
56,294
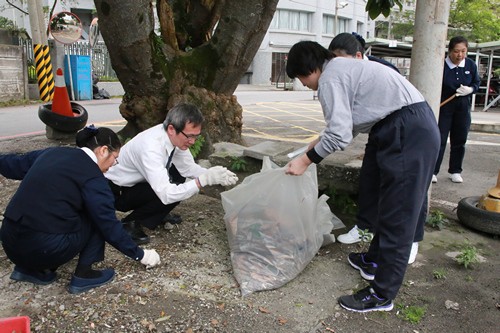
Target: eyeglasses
x,y
191,136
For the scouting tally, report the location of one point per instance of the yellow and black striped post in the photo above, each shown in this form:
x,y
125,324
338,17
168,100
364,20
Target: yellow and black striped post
x,y
41,74
48,70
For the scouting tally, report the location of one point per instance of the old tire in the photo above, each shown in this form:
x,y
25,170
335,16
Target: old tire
x,y
64,123
477,218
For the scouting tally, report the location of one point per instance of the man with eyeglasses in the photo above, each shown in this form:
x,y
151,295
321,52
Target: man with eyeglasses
x,y
150,179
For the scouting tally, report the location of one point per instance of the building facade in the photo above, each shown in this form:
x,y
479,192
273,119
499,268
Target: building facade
x,y
294,20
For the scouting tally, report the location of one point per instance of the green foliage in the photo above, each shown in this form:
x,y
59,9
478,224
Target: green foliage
x,y
365,235
108,79
477,20
436,219
439,273
195,149
468,256
238,164
341,201
377,7
411,313
9,25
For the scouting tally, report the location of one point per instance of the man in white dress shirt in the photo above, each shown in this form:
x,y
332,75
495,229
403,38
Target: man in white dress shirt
x,y
150,178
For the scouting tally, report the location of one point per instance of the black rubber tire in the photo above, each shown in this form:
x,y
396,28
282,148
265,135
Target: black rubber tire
x,y
64,123
477,218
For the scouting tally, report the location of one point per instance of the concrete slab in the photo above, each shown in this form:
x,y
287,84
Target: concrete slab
x,y
268,148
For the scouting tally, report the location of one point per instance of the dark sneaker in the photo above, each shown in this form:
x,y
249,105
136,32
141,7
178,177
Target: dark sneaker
x,y
366,268
365,300
33,276
79,285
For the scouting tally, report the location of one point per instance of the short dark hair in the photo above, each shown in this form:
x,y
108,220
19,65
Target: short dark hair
x,y
457,40
305,57
181,114
347,43
93,137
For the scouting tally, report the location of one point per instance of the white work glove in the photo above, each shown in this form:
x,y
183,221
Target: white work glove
x,y
151,258
218,175
464,90
230,179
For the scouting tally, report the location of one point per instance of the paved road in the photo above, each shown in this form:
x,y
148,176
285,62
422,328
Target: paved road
x,y
294,117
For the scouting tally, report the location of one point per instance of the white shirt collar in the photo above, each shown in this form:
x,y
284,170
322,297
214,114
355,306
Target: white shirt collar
x,y
452,65
91,154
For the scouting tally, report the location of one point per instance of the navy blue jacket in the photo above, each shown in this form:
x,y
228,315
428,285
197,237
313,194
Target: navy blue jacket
x,y
61,189
383,62
452,78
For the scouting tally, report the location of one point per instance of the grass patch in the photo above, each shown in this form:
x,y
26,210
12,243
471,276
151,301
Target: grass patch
x,y
412,313
439,274
19,102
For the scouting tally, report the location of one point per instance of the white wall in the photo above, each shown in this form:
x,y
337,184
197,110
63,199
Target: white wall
x,y
281,40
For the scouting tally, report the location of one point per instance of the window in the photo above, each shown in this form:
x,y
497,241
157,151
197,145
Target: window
x,y
290,20
329,22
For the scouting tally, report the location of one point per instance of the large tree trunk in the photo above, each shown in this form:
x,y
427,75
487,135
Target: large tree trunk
x,y
429,45
186,62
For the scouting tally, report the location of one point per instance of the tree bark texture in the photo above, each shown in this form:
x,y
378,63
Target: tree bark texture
x,y
429,46
198,54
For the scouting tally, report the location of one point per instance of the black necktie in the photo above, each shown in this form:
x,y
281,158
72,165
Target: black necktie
x,y
169,163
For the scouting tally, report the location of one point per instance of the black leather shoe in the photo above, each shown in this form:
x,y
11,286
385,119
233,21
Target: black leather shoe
x,y
134,229
172,219
33,276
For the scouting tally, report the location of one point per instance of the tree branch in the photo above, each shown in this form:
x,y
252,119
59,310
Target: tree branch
x,y
19,9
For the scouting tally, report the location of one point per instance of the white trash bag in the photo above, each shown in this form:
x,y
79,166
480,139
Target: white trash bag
x,y
275,225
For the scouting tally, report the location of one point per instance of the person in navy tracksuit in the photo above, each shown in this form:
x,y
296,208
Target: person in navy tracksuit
x,y
64,208
460,79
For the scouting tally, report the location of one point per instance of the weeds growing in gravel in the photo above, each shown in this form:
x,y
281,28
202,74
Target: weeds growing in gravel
x,y
439,273
436,219
411,313
468,256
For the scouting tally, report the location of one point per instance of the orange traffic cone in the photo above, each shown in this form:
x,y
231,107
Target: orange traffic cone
x,y
61,103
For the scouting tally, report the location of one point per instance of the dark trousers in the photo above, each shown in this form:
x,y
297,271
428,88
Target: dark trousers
x,y
455,122
402,150
369,187
36,250
147,209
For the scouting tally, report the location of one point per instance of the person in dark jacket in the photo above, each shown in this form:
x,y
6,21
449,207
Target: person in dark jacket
x,y
64,208
460,79
353,45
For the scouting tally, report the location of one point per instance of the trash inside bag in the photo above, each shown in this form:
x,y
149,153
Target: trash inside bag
x,y
275,225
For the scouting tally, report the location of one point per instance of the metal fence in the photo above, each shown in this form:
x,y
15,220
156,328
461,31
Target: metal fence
x,y
101,64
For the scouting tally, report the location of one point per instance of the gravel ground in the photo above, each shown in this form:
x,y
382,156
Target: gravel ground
x,y
194,289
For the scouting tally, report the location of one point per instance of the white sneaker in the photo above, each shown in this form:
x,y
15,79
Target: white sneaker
x,y
456,178
434,179
352,236
413,253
